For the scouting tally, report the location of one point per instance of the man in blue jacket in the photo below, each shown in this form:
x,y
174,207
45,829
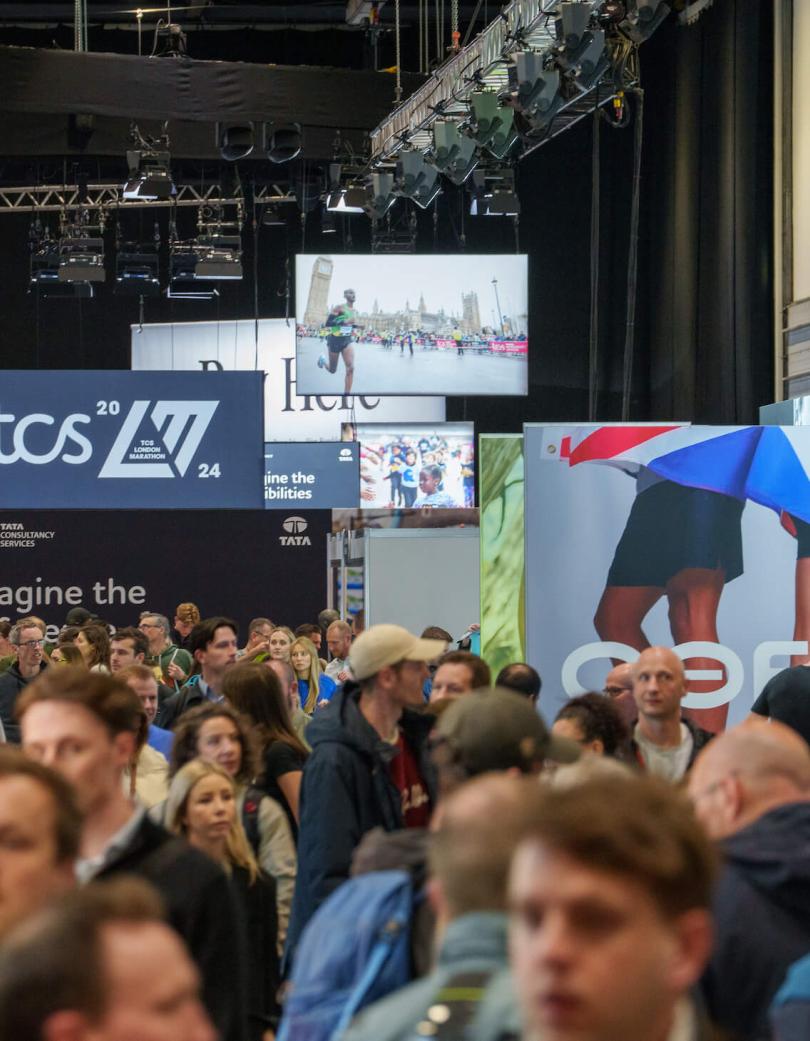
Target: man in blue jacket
x,y
369,766
751,791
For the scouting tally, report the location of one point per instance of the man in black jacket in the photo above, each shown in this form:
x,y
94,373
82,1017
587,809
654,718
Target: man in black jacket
x,y
751,791
29,640
369,765
86,726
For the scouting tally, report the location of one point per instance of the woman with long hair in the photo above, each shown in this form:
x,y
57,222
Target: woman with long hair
x,y
217,733
314,686
281,640
93,642
255,692
67,654
202,807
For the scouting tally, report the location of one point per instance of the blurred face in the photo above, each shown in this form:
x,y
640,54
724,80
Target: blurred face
x,y
29,651
290,689
572,730
280,644
427,482
86,649
147,691
153,632
183,627
122,652
338,642
301,660
29,873
264,632
220,653
451,680
409,683
218,741
316,639
210,811
56,656
658,684
72,740
591,957
153,987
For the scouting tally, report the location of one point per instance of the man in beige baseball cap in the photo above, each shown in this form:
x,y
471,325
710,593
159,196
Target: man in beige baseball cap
x,y
369,767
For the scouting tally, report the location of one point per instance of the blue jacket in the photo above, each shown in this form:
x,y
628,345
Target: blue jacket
x,y
346,790
790,1014
762,919
474,942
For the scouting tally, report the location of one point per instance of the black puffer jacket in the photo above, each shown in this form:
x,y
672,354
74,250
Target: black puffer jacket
x,y
346,791
762,919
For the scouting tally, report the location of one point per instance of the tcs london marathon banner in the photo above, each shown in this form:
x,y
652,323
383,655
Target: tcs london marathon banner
x,y
90,440
691,537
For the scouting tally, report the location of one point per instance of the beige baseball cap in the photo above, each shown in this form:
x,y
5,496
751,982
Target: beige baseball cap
x,y
382,645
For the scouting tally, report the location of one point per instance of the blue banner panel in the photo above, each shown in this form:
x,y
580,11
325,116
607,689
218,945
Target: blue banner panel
x,y
95,440
318,475
270,565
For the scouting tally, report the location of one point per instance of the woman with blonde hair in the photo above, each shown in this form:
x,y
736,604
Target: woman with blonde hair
x,y
314,687
281,640
201,807
214,731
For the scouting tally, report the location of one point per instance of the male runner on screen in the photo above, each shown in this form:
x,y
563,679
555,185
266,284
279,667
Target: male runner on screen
x,y
340,322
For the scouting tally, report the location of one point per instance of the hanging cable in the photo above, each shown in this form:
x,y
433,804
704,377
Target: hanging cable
x,y
398,95
593,333
421,38
632,259
455,35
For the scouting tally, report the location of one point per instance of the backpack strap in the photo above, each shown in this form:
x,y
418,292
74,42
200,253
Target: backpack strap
x,y
386,940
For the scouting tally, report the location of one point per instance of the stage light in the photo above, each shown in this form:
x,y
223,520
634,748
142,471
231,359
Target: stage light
x,y
534,89
453,151
493,123
380,194
183,284
416,179
219,258
328,226
494,194
81,253
235,140
271,218
137,270
583,54
643,18
351,199
282,142
149,175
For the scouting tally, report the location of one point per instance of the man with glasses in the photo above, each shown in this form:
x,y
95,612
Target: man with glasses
x,y
369,766
751,791
28,640
174,663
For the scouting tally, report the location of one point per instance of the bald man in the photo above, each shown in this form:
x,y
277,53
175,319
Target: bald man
x,y
751,791
619,687
665,742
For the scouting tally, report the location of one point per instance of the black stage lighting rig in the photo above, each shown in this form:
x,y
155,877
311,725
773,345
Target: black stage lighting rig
x,y
454,152
493,124
235,140
415,178
81,249
493,193
149,166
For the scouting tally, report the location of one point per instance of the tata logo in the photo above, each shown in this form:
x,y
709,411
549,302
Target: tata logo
x,y
295,528
345,455
181,426
68,443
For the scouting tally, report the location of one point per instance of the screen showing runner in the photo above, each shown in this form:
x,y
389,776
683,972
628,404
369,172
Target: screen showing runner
x,y
416,324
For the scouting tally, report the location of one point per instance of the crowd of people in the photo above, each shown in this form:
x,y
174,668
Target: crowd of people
x,y
331,832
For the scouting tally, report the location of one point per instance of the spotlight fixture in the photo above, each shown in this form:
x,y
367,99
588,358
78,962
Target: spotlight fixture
x,y
235,140
328,226
282,142
219,258
44,274
643,18
148,161
583,52
351,199
183,284
137,270
415,178
380,194
81,252
493,194
493,123
271,218
534,88
453,151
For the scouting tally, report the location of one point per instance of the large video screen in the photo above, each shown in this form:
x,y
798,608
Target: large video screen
x,y
413,465
416,324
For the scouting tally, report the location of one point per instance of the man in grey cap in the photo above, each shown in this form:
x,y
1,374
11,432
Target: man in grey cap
x,y
369,766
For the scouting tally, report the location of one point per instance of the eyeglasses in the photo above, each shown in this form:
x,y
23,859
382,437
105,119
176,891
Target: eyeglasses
x,y
32,643
149,625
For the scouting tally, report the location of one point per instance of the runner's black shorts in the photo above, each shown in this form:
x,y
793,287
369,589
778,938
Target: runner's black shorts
x,y
672,527
336,344
802,538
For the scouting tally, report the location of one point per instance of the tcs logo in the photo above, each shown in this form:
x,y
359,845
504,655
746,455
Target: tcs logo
x,y
68,442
